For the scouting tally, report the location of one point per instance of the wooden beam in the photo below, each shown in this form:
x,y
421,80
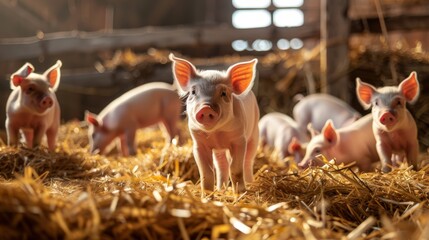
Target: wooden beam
x,y
334,60
161,37
399,23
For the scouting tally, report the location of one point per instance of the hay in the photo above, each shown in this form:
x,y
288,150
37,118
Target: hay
x,y
70,194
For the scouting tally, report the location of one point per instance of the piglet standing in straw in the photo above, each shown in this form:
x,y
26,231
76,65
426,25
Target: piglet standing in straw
x,y
223,118
316,109
394,127
140,107
32,107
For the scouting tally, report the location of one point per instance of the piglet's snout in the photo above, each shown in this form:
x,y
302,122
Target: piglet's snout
x,y
387,118
206,115
46,102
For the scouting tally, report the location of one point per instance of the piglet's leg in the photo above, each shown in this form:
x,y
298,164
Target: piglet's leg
x,y
12,135
412,155
385,154
203,158
222,167
38,136
130,137
238,152
28,136
252,146
51,136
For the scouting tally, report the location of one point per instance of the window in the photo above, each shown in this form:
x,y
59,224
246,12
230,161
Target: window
x,y
255,14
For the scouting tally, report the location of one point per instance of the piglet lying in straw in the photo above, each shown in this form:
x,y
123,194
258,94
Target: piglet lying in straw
x,y
354,143
394,127
223,120
32,107
140,107
281,132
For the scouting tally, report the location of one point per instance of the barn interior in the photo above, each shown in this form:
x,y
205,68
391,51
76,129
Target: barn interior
x,y
108,47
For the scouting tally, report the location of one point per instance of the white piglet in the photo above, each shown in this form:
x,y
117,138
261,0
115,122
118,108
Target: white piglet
x,y
32,106
394,127
316,109
140,107
354,143
281,132
223,121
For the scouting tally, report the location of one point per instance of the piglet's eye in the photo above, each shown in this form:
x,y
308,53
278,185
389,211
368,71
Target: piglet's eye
x,y
399,103
193,92
223,94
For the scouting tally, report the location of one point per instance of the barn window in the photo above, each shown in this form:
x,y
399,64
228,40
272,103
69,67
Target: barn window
x,y
264,13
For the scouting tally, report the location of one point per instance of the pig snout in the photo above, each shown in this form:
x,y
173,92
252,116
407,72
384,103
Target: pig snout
x,y
46,102
206,115
387,119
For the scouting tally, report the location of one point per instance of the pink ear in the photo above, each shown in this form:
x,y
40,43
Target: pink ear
x,y
242,75
92,119
183,71
18,76
294,146
364,93
53,75
329,132
410,88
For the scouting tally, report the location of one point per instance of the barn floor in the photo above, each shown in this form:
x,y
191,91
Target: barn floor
x,y
70,194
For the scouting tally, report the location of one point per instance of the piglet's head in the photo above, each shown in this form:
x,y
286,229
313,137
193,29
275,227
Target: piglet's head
x,y
210,93
322,143
388,103
37,89
98,134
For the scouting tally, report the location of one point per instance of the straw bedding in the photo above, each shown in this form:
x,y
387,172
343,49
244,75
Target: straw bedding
x,y
70,194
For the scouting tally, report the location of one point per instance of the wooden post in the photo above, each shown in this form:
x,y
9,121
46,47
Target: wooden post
x,y
334,61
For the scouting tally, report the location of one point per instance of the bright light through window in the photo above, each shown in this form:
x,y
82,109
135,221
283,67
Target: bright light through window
x,y
251,19
262,45
288,3
239,45
251,3
296,43
283,44
288,18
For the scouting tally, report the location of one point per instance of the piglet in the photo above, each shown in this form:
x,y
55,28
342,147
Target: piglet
x,y
223,121
318,108
32,107
140,107
281,132
354,143
394,127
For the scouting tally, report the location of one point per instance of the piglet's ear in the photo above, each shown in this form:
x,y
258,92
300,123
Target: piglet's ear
x,y
410,88
242,76
53,75
364,93
91,118
294,146
183,72
17,77
329,132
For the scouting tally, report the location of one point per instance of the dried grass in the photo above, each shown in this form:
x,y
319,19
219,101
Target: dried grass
x,y
70,194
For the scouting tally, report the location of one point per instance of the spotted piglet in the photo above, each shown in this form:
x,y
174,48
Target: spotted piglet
x,y
394,127
223,121
32,107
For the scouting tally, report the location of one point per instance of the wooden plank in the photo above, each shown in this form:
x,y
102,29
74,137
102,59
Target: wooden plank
x,y
334,60
400,23
162,37
359,9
